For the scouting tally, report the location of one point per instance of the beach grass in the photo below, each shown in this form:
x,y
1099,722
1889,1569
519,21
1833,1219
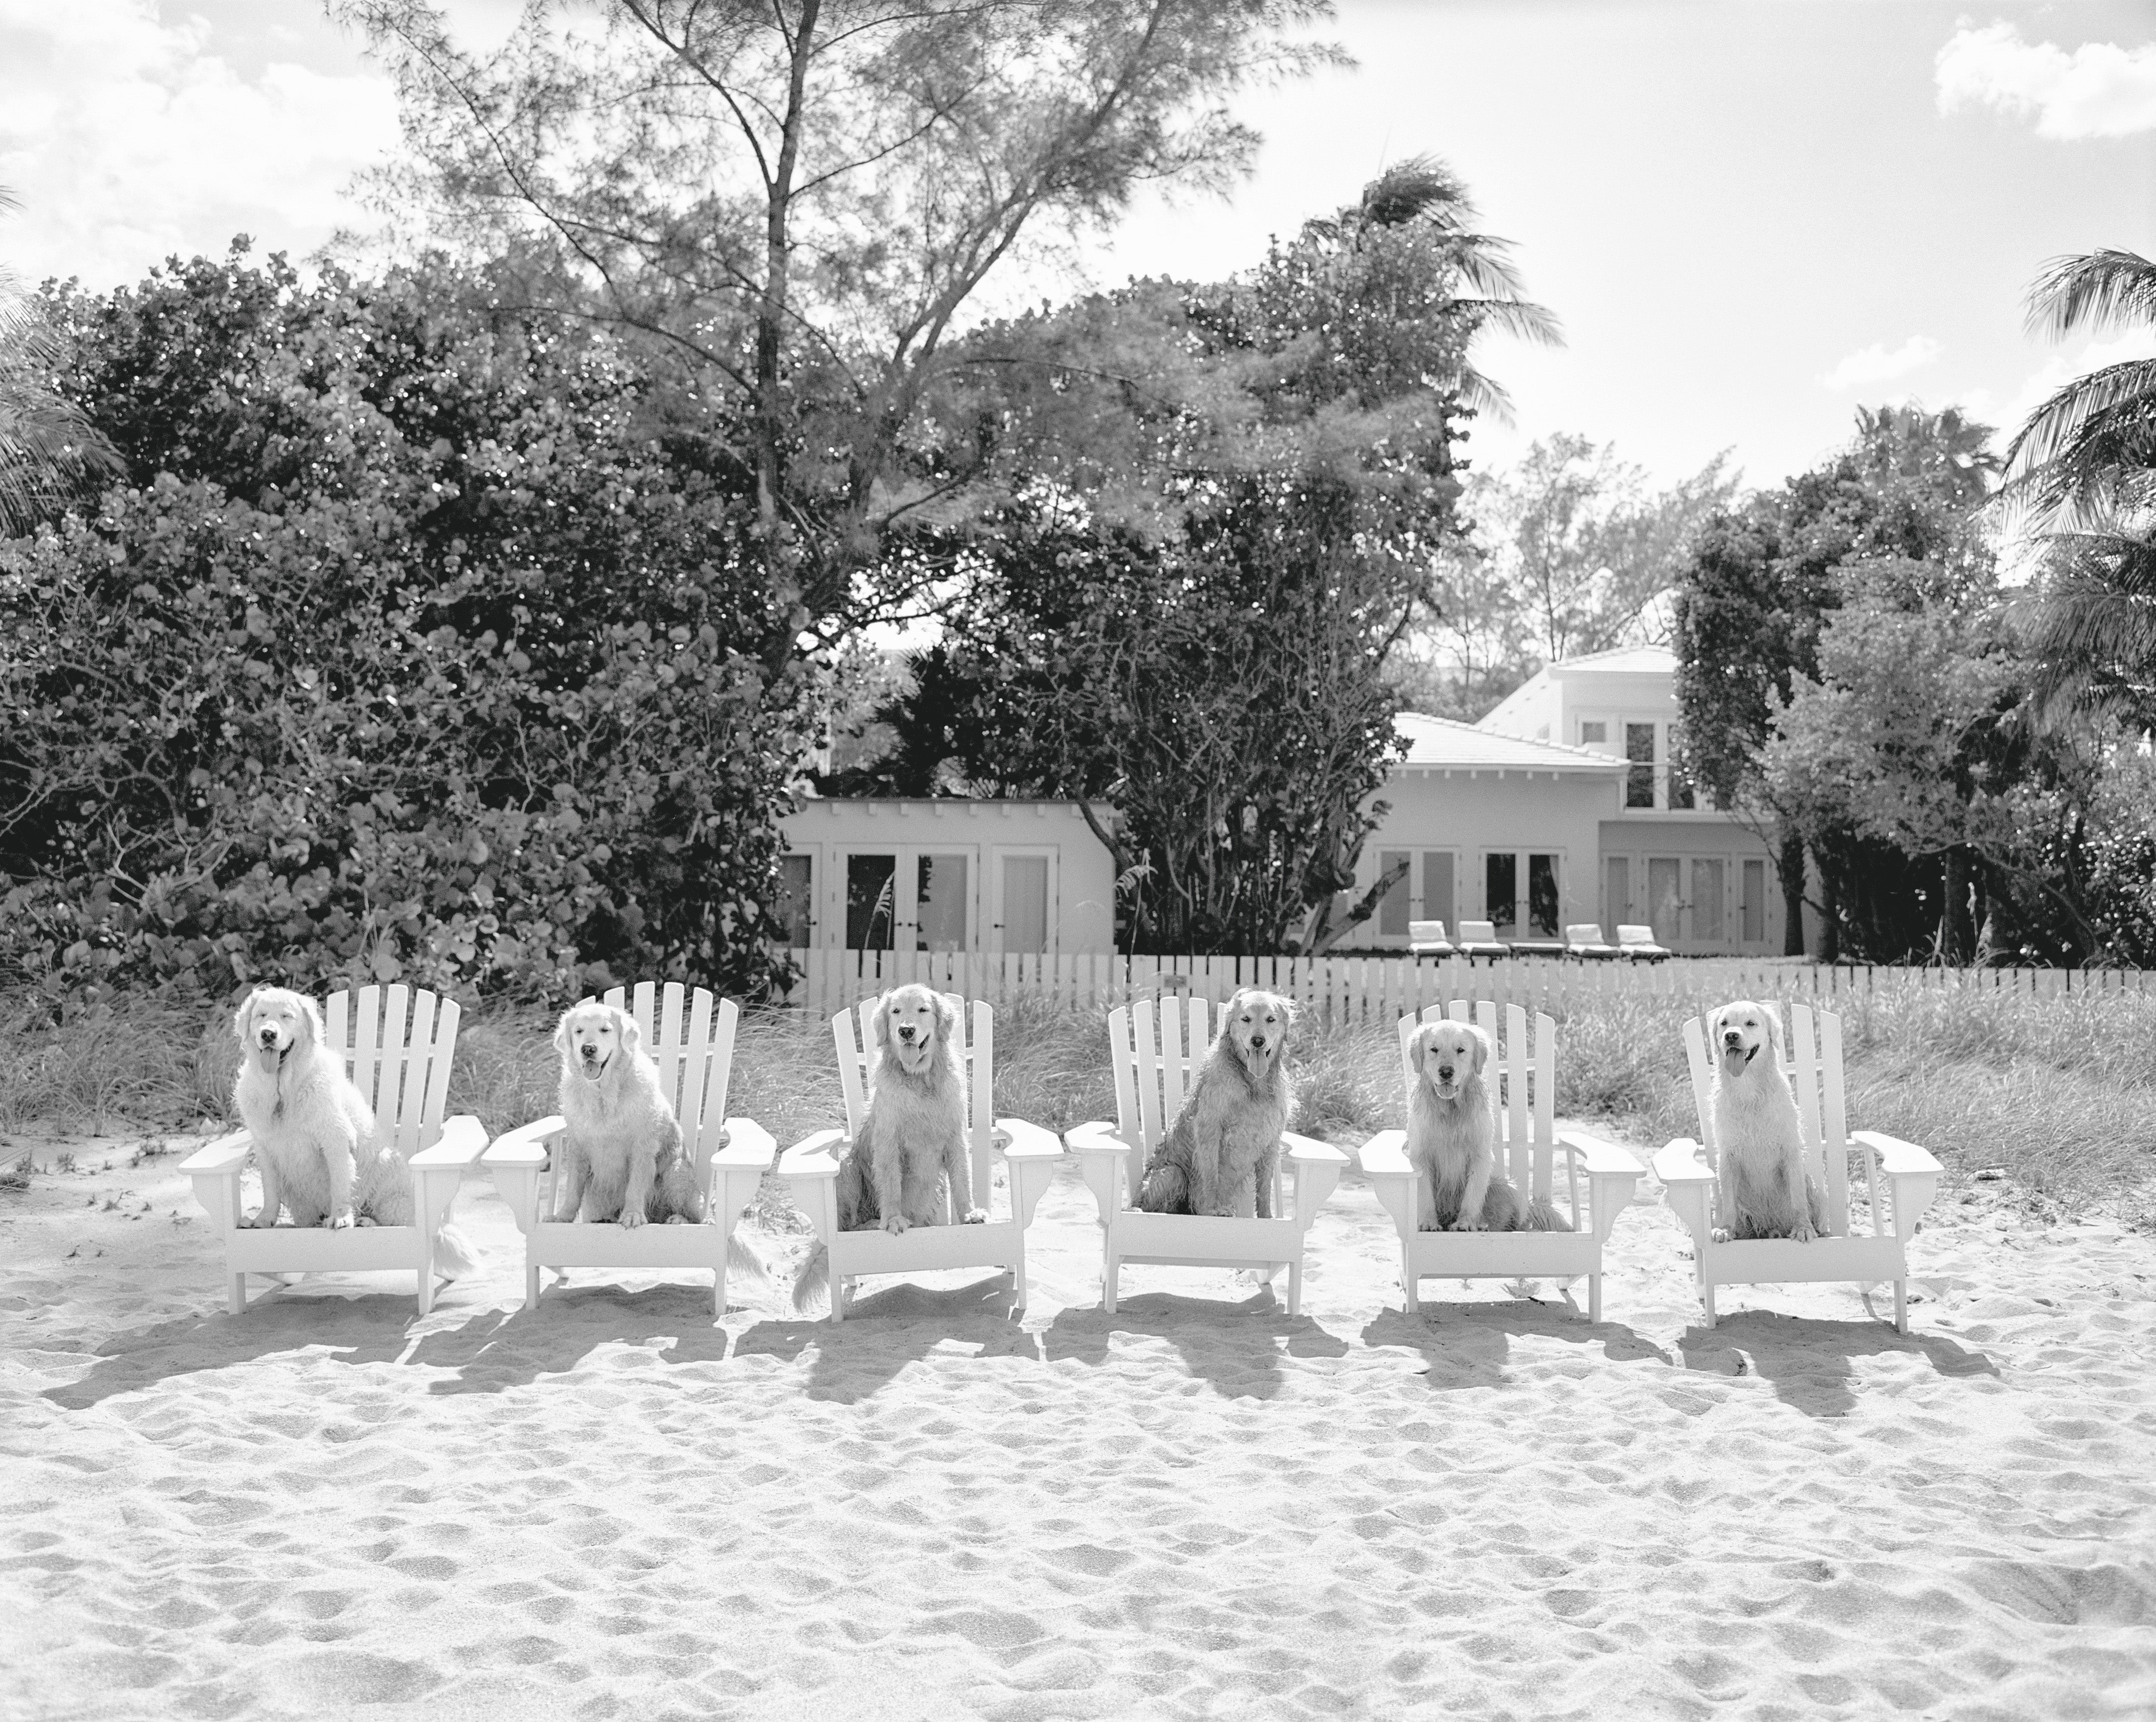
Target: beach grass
x,y
2058,1093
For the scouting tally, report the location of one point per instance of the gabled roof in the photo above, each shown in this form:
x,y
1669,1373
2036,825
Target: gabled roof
x,y
1623,660
1442,742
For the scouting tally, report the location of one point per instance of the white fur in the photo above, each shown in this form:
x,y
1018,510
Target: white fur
x,y
314,1133
622,1149
1762,1191
1452,1137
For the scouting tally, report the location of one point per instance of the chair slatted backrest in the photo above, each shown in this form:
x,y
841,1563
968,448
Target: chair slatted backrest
x,y
1524,1074
1812,1062
1479,931
398,1042
854,1032
695,1056
1155,1049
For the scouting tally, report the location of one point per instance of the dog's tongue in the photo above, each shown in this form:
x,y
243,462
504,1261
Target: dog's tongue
x,y
269,1056
1256,1059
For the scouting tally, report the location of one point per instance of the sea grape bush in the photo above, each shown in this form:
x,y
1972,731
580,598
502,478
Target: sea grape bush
x,y
421,640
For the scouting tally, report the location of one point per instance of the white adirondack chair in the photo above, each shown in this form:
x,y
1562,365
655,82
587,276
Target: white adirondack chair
x,y
1689,1173
1528,1144
730,1155
397,1045
1030,1154
1157,1056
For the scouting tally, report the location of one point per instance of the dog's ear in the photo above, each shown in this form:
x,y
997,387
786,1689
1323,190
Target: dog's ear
x,y
311,1032
561,1032
240,1017
1484,1046
947,1018
879,1021
1714,1018
1775,1038
631,1035
1291,1012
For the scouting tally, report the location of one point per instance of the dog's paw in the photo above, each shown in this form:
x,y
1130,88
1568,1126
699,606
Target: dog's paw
x,y
261,1216
1720,1235
1803,1233
895,1223
368,1219
675,1219
1465,1224
631,1217
338,1222
975,1217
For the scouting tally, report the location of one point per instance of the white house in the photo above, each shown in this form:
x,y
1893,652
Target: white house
x,y
1559,806
945,875
1562,805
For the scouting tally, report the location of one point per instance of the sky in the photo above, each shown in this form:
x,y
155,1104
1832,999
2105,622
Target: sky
x,y
1750,216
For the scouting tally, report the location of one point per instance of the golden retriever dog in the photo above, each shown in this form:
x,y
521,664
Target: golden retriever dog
x,y
1763,1191
315,1139
1226,1138
913,1138
622,1158
1452,1138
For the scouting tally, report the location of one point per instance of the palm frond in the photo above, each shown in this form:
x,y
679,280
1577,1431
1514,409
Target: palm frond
x,y
2101,289
1516,317
1421,186
2125,392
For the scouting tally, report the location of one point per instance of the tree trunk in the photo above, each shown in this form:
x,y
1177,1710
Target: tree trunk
x,y
1830,912
1954,916
1792,867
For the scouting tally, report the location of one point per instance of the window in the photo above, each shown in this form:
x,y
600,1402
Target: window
x,y
1394,908
1665,899
1500,876
795,898
941,903
1755,903
1542,900
1025,902
1437,903
871,904
1639,756
1707,902
1594,735
1680,785
1617,893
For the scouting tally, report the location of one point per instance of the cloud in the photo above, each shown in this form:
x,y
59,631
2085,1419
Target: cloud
x,y
2010,410
127,139
1876,363
2100,89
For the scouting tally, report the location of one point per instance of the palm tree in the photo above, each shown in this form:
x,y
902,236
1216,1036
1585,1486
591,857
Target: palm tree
x,y
1423,198
2082,472
46,444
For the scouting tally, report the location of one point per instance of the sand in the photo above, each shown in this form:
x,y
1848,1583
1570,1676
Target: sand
x,y
616,1507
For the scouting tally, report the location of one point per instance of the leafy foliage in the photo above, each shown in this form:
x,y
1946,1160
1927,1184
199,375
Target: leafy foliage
x,y
409,647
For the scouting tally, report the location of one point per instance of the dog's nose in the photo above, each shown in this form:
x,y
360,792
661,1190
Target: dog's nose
x,y
906,1032
1731,1038
267,1037
1257,1043
1444,1072
590,1050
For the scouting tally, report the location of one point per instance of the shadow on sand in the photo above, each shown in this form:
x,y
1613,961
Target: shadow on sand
x,y
1811,1364
887,1329
1237,1348
1469,1345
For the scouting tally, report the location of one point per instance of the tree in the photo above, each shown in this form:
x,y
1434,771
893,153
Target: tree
x,y
403,650
1219,693
2082,472
46,449
1761,581
800,199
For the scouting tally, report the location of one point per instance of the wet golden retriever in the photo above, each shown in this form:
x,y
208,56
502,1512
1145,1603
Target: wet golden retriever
x,y
1452,1138
315,1144
1226,1139
913,1139
1763,1191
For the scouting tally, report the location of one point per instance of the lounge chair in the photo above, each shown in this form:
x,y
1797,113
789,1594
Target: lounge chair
x,y
1583,939
1479,938
1426,938
1636,944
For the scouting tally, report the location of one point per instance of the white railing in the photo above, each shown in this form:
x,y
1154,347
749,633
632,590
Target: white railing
x,y
1378,988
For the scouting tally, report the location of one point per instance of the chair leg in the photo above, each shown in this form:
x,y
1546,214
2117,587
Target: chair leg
x,y
1108,1266
1295,1286
719,1293
236,1294
1018,1272
1593,1297
530,1285
1706,1295
427,1285
1410,1302
1901,1306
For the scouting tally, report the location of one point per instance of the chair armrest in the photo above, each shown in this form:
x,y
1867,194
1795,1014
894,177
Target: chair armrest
x,y
527,1144
1897,1158
463,1140
1096,1137
1596,1158
1016,1139
1309,1151
1385,1155
745,1143
228,1154
1681,1162
811,1157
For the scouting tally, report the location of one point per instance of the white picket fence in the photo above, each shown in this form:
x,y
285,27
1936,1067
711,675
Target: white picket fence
x,y
1379,988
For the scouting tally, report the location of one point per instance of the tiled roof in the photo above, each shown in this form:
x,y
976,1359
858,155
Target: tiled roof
x,y
1441,742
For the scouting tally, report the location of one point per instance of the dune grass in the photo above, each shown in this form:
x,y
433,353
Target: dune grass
x,y
2060,1093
